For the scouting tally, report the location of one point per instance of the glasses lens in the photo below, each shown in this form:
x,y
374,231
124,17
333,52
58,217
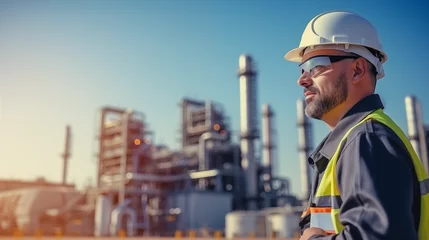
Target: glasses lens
x,y
311,64
316,63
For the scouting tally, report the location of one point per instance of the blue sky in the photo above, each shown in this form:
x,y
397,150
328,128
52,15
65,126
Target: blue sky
x,y
61,61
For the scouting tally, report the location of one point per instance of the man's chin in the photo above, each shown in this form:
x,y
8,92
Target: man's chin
x,y
311,112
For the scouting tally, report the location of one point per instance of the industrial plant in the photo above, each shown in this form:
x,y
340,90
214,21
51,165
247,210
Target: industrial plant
x,y
211,185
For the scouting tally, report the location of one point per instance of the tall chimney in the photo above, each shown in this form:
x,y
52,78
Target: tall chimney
x,y
249,126
304,148
268,141
416,131
66,155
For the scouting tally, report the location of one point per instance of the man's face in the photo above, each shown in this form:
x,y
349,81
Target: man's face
x,y
326,86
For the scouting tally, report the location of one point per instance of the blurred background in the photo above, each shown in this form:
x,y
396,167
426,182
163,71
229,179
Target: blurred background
x,y
153,117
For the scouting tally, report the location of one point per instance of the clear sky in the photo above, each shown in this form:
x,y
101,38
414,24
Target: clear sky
x,y
61,61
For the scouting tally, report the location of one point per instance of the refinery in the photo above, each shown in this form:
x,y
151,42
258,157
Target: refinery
x,y
212,185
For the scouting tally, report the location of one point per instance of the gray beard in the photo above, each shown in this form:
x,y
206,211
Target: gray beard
x,y
322,104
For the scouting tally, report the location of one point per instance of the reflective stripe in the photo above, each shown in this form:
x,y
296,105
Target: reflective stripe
x,y
320,210
336,202
424,186
328,201
322,219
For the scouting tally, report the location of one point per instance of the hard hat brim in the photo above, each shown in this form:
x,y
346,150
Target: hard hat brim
x,y
294,55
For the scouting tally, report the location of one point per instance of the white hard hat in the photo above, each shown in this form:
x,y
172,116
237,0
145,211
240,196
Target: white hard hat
x,y
344,31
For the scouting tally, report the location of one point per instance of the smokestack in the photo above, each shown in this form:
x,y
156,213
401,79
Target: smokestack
x,y
66,154
249,126
304,148
416,132
268,141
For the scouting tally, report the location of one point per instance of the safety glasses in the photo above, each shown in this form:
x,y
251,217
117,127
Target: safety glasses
x,y
317,64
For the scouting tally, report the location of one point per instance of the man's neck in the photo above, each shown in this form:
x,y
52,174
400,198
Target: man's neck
x,y
336,114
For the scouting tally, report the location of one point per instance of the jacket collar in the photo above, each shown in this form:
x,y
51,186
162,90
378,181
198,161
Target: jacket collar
x,y
359,111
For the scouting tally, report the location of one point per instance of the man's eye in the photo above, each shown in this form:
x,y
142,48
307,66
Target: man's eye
x,y
317,69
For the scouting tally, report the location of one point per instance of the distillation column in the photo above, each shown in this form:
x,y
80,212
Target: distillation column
x,y
304,148
249,126
416,132
269,161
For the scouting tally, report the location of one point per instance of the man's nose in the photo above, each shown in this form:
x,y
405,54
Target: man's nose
x,y
305,80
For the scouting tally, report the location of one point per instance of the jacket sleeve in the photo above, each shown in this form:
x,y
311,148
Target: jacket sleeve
x,y
376,186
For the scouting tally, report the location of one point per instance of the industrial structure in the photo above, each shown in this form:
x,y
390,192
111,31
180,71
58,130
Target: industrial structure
x,y
150,189
142,188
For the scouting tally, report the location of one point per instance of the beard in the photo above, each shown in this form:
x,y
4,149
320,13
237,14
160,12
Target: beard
x,y
320,105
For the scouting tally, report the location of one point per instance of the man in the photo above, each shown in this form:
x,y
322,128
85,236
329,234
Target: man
x,y
369,182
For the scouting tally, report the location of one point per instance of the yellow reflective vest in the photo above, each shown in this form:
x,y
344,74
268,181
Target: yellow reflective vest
x,y
327,218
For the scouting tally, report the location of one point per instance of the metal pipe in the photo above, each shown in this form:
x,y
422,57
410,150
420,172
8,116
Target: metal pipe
x,y
209,115
143,177
178,164
117,219
304,147
184,117
132,191
123,165
249,125
155,178
144,149
100,145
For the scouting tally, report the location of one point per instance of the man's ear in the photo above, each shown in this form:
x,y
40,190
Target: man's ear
x,y
359,70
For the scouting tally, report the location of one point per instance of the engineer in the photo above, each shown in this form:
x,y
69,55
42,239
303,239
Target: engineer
x,y
369,183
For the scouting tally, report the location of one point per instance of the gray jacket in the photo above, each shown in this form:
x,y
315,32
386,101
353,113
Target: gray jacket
x,y
379,189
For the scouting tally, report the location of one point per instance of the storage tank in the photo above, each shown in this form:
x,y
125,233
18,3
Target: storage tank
x,y
103,209
25,207
245,223
285,225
